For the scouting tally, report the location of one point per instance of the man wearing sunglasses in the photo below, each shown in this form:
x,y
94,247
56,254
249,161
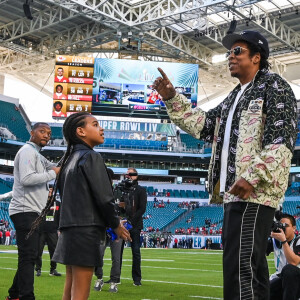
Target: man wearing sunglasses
x,y
135,211
253,132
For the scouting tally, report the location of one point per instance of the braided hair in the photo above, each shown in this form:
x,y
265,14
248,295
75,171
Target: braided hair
x,y
69,131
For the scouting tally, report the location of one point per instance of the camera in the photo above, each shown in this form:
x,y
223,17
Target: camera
x,y
278,225
125,185
122,193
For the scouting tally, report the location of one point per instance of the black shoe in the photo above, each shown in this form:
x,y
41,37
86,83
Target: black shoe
x,y
54,273
38,273
137,283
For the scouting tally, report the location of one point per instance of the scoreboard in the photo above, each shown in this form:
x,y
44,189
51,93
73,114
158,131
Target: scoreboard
x,y
73,85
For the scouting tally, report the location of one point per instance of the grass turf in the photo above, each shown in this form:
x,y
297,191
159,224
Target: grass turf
x,y
167,274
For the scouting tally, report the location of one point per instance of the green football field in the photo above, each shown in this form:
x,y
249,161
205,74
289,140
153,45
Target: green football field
x,y
167,274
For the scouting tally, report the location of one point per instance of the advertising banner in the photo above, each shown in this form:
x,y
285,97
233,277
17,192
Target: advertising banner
x,y
199,241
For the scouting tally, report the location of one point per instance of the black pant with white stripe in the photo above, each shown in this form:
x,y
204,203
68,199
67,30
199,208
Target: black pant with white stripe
x,y
246,228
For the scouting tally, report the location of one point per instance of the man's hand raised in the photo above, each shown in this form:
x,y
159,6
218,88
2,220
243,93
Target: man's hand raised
x,y
164,86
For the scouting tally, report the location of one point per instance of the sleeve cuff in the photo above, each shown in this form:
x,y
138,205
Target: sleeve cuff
x,y
169,103
251,177
52,174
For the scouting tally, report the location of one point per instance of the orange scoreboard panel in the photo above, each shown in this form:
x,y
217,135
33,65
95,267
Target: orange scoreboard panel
x,y
73,85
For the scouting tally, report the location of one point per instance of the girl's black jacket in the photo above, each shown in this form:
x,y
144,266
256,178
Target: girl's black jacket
x,y
86,192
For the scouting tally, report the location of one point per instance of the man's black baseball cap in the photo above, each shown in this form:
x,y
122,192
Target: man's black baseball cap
x,y
249,36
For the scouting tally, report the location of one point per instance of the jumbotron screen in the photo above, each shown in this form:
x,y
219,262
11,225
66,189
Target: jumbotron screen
x,y
83,83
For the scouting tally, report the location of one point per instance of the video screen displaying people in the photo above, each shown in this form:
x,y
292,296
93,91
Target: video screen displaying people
x,y
153,97
61,74
59,108
109,93
60,91
129,82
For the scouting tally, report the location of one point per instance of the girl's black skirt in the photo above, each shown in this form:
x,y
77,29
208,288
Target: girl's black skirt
x,y
79,246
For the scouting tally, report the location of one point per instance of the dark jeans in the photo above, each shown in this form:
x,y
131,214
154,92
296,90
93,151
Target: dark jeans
x,y
246,228
287,285
136,254
22,286
51,239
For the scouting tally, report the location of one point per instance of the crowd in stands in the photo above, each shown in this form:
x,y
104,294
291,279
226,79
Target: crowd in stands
x,y
202,230
7,234
159,203
189,205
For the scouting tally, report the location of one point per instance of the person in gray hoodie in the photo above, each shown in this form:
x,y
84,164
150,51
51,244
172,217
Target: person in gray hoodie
x,y
32,172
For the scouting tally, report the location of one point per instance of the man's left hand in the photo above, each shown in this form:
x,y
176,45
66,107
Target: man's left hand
x,y
241,188
279,236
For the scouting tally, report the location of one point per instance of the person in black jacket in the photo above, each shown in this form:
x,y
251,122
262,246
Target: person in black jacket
x,y
48,234
87,205
138,203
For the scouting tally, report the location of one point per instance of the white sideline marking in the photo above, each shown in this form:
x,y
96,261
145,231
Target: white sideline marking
x,y
183,269
9,251
200,253
148,280
203,297
152,267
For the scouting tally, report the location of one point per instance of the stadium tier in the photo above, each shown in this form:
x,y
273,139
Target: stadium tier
x,y
5,186
4,215
56,132
191,142
175,193
196,218
12,119
161,217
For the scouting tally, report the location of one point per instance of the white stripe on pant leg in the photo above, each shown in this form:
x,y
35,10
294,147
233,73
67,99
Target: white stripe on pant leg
x,y
246,251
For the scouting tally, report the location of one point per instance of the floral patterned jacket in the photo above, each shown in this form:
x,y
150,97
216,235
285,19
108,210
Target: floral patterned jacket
x,y
262,138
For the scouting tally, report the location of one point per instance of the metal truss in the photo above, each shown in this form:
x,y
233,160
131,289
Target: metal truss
x,y
72,41
270,23
75,40
179,45
151,14
167,11
112,14
41,20
278,66
164,39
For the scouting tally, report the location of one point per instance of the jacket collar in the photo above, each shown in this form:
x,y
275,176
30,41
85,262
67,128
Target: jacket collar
x,y
78,147
257,76
34,145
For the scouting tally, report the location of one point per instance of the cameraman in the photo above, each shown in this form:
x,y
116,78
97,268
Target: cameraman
x,y
135,211
285,283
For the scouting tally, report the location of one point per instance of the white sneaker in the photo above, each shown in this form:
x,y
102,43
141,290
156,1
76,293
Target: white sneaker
x,y
113,288
98,285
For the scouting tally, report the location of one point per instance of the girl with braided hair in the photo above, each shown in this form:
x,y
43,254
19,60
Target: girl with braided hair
x,y
87,205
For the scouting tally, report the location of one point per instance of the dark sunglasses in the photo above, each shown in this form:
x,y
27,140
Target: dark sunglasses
x,y
131,174
236,51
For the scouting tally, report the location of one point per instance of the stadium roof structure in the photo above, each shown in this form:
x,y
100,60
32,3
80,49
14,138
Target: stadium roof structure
x,y
171,30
